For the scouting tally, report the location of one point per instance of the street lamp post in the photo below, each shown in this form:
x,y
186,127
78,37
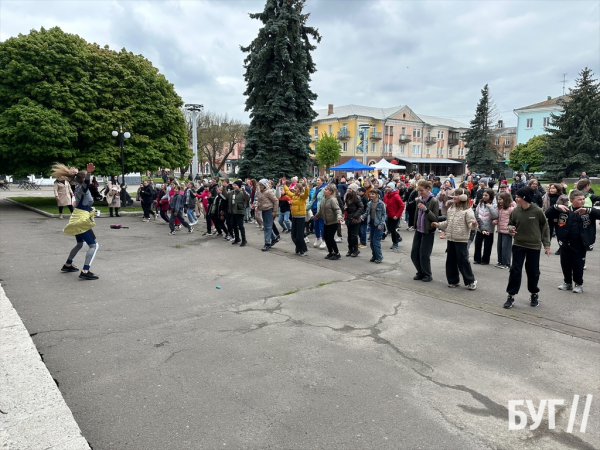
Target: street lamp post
x,y
195,109
122,136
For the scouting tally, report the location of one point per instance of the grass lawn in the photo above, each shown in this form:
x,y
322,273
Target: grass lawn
x,y
48,204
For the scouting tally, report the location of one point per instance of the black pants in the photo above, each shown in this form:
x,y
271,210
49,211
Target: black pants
x,y
420,253
572,261
164,215
487,241
457,263
353,236
274,229
531,258
111,211
329,234
298,234
147,208
238,227
229,223
392,224
218,223
60,208
411,216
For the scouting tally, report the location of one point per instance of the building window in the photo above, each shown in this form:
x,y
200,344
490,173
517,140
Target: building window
x,y
316,133
345,126
330,129
506,141
416,149
344,147
546,121
497,141
417,133
402,149
461,152
373,147
206,168
391,130
449,152
387,130
440,150
506,153
227,167
529,123
440,135
429,150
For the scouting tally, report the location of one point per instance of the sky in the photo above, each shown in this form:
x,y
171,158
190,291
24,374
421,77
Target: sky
x,y
434,56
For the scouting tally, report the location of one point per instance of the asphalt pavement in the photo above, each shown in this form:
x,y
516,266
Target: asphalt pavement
x,y
188,342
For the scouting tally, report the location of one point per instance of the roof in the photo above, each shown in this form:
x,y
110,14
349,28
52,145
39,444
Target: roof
x,y
430,160
505,131
551,102
345,111
440,121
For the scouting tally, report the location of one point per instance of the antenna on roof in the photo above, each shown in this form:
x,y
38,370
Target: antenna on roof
x,y
564,80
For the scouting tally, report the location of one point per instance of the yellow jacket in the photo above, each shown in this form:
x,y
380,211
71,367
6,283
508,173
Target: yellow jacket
x,y
80,222
298,202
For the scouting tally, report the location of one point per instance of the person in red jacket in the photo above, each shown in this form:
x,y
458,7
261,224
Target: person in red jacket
x,y
394,207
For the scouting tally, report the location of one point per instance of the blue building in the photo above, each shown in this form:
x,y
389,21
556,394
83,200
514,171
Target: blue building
x,y
533,119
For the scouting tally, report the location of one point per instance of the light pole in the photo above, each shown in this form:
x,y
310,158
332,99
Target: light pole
x,y
195,109
122,136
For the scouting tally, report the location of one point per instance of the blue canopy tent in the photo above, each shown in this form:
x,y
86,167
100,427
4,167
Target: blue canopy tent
x,y
351,166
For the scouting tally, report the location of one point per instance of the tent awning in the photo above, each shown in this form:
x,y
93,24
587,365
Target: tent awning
x,y
383,164
351,165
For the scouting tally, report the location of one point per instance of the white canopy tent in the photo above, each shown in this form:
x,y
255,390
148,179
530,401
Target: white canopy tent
x,y
383,164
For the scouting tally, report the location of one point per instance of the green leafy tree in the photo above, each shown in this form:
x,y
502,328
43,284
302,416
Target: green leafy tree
x,y
61,97
278,68
483,154
328,150
529,156
574,135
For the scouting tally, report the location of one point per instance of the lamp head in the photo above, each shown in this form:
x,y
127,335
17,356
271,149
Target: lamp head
x,y
115,133
127,135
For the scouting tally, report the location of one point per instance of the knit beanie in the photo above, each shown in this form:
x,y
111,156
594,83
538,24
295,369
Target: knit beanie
x,y
391,185
353,186
238,183
526,193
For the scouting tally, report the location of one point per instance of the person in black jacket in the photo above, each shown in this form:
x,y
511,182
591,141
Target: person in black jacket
x,y
538,192
354,209
516,185
411,206
147,195
362,230
576,234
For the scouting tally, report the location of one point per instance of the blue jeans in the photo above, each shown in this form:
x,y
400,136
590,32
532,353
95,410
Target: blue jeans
x,y
319,226
284,220
267,217
191,215
375,236
362,233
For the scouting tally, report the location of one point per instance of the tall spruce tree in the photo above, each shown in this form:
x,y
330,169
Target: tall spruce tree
x,y
483,154
574,136
278,68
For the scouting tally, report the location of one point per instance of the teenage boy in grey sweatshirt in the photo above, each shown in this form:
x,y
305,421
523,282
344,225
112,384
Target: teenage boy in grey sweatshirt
x,y
529,228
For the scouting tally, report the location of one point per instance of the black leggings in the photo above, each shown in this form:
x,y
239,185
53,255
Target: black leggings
x,y
329,233
60,208
147,208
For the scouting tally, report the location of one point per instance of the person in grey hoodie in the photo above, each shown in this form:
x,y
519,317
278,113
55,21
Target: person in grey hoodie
x,y
485,214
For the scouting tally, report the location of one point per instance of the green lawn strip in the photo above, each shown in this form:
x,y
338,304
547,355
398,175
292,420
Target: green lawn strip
x,y
48,204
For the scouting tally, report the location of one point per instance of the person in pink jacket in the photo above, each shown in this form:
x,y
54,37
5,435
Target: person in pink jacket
x,y
504,246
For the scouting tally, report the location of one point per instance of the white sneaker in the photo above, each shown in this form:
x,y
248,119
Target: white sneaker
x,y
339,239
317,243
306,239
472,286
577,289
322,245
565,287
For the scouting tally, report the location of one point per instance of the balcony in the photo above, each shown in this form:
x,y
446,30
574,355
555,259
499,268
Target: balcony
x,y
505,145
452,142
343,134
375,135
314,138
430,140
404,139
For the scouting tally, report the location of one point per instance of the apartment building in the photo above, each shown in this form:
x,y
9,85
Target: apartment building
x,y
532,120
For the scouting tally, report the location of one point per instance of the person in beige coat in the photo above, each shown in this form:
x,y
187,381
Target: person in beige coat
x,y
458,225
330,212
114,196
64,195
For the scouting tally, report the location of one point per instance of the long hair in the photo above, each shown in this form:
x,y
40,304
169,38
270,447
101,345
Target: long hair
x,y
462,204
351,196
507,200
61,172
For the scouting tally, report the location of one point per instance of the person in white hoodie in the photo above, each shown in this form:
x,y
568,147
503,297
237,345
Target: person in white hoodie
x,y
485,214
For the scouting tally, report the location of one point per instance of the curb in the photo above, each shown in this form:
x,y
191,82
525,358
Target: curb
x,y
33,413
55,216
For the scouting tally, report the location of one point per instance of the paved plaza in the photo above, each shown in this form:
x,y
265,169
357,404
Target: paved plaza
x,y
188,342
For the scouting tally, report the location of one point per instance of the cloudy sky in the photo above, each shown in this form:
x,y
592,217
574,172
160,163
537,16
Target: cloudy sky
x,y
434,56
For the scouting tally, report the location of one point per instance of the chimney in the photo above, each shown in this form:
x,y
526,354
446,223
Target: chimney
x,y
549,97
500,124
330,110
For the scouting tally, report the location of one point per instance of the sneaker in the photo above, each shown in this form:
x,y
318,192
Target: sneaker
x,y
472,286
338,239
378,261
88,276
172,233
476,262
266,248
190,229
329,255
355,254
499,265
577,289
411,228
566,287
178,227
451,285
534,300
372,259
349,254
323,245
207,234
335,256
276,240
509,302
426,279
306,240
303,253
557,252
505,267
317,243
70,268
218,234
235,242
361,246
145,220
244,243
394,247
227,238
418,276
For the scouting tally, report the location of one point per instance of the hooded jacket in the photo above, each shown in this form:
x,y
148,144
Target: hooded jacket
x,y
394,206
458,224
329,210
298,202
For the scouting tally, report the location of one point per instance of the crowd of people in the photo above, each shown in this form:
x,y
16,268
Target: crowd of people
x,y
523,215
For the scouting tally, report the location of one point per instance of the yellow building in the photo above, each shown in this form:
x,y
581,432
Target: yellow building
x,y
425,142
